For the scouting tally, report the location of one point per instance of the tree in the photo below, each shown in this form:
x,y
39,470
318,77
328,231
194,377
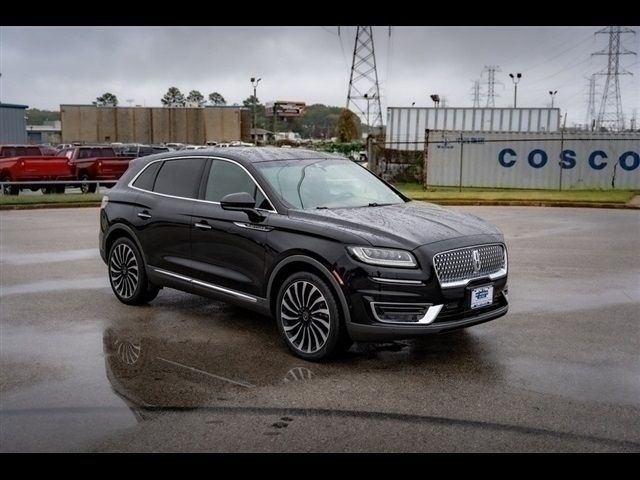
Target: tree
x,y
318,121
347,127
173,98
261,120
196,97
216,99
38,117
106,100
248,102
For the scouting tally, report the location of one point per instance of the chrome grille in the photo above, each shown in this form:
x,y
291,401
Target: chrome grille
x,y
458,267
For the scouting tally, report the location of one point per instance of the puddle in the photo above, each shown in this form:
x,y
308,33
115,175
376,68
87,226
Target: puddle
x,y
42,408
55,285
48,257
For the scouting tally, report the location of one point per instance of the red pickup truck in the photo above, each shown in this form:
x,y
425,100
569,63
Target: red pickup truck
x,y
27,163
95,163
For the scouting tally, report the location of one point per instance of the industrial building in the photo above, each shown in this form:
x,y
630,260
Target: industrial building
x,y
406,126
13,123
49,133
154,125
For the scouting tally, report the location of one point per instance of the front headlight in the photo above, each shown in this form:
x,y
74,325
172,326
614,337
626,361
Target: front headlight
x,y
386,257
105,200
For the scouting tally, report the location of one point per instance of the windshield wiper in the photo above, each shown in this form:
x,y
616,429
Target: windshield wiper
x,y
322,208
375,204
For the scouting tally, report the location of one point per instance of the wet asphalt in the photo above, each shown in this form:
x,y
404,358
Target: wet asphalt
x,y
560,373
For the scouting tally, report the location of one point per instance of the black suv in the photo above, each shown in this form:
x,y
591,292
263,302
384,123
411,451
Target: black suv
x,y
331,251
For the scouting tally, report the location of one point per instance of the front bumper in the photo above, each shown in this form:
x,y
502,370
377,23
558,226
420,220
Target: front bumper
x,y
410,302
386,331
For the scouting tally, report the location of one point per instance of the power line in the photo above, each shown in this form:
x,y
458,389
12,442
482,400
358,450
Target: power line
x,y
547,60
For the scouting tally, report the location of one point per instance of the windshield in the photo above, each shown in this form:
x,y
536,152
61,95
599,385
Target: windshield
x,y
310,184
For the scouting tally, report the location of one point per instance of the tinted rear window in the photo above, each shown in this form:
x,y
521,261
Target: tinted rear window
x,y
20,151
96,152
180,178
147,177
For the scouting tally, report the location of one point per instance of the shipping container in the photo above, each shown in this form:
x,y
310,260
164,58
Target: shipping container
x,y
406,125
533,160
13,123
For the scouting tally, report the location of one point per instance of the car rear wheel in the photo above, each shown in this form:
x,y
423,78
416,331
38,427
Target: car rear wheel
x,y
309,319
86,187
127,274
9,189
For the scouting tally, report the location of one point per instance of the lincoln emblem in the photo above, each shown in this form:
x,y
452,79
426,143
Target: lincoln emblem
x,y
476,261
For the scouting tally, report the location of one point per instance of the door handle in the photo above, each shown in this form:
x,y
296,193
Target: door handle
x,y
144,215
203,225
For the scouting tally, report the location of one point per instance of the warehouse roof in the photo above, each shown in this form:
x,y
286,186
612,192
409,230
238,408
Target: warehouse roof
x,y
12,105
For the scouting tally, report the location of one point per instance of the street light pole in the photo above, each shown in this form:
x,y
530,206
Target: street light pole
x,y
368,99
553,95
254,83
516,79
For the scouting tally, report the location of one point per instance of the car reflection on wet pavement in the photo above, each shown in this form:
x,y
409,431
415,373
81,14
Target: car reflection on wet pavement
x,y
82,372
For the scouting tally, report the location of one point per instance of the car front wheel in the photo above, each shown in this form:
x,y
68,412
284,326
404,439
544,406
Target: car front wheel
x,y
127,274
308,318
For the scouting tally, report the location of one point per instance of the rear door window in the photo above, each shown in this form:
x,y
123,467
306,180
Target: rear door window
x,y
180,178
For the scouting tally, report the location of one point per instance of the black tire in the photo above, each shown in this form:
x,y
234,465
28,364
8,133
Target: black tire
x,y
320,334
127,274
9,189
87,187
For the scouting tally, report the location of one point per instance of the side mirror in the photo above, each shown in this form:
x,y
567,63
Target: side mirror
x,y
240,202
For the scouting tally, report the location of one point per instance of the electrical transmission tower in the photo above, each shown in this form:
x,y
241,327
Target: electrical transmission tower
x,y
591,105
364,90
610,114
475,92
491,83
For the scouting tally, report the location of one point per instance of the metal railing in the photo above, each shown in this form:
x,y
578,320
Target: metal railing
x,y
53,183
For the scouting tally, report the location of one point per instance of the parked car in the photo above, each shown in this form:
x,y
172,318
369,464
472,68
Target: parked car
x,y
174,146
139,150
95,163
26,163
331,251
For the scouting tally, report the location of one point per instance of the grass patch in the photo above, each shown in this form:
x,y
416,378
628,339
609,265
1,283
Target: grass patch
x,y
50,199
416,192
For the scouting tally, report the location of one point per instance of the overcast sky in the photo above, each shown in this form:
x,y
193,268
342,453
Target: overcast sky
x,y
46,67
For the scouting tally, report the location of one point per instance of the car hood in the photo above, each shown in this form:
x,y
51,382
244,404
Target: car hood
x,y
405,225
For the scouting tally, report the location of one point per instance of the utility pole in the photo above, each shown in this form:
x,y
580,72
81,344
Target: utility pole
x,y
591,101
491,83
254,83
553,95
363,81
611,114
369,98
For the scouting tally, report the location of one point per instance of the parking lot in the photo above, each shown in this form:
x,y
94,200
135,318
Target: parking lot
x,y
83,372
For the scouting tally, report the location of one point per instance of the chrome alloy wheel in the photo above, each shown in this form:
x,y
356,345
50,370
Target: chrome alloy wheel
x,y
124,272
305,317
